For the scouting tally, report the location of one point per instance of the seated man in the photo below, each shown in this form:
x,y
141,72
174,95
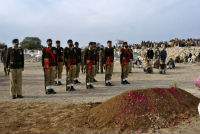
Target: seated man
x,y
148,66
157,64
171,64
138,63
162,68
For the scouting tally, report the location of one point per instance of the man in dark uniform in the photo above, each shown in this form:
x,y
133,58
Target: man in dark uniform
x,y
108,63
3,59
49,63
124,60
59,67
78,65
90,63
70,59
15,65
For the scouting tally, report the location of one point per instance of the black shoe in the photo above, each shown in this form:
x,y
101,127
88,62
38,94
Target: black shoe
x,y
127,82
48,91
20,96
123,82
72,88
91,86
107,84
95,80
14,97
78,82
52,91
110,84
59,83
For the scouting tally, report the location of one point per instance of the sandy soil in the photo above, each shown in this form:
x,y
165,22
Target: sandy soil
x,y
33,90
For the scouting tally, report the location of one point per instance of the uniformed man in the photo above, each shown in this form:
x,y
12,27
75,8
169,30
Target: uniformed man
x,y
3,59
49,63
131,59
108,63
124,60
15,65
59,67
70,57
78,65
90,63
101,58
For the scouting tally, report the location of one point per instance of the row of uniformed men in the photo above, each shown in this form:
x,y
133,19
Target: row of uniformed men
x,y
53,59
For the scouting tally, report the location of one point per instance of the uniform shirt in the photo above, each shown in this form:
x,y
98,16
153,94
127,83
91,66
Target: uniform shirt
x,y
123,55
15,58
109,52
46,54
90,54
59,54
78,50
70,55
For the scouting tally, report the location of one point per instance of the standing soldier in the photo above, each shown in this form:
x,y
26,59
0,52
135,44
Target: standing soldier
x,y
101,58
59,67
70,58
124,60
15,65
78,51
90,62
3,59
49,56
131,59
108,63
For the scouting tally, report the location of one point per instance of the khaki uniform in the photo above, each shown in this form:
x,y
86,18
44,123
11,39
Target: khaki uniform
x,y
15,61
59,67
70,56
109,63
49,56
90,63
124,60
50,75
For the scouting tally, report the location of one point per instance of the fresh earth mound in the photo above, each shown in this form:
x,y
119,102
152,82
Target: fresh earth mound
x,y
144,110
134,111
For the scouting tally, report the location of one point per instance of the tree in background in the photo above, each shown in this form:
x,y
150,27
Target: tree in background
x,y
2,45
31,43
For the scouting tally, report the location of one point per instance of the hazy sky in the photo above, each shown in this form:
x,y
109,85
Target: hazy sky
x,y
99,20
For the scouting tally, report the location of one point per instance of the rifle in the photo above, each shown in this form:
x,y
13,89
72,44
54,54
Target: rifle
x,y
45,80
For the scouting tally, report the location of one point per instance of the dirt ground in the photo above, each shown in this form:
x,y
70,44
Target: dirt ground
x,y
33,91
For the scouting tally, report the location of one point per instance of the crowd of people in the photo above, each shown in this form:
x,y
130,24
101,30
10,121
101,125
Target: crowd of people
x,y
91,61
